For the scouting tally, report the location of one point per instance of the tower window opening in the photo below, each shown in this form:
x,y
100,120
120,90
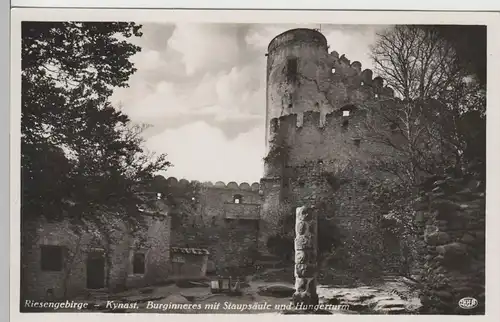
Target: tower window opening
x,y
333,70
346,113
362,83
237,199
357,142
376,95
290,105
291,68
345,124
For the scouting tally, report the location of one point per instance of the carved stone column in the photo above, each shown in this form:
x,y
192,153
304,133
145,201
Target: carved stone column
x,y
306,250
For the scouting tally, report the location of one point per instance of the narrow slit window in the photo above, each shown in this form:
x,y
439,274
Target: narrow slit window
x,y
292,68
345,124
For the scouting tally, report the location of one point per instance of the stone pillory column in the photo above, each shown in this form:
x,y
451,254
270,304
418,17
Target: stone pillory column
x,y
306,250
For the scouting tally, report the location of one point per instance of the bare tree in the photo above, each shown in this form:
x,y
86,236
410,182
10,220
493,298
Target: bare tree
x,y
426,127
416,62
434,126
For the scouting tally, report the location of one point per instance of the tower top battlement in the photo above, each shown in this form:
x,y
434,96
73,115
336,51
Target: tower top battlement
x,y
299,35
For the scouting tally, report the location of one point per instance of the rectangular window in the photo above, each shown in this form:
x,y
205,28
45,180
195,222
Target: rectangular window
x,y
51,258
139,263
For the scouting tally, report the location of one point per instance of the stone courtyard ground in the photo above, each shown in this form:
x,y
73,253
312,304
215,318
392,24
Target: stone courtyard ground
x,y
393,295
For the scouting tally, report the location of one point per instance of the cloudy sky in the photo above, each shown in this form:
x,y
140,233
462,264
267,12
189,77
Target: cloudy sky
x,y
201,88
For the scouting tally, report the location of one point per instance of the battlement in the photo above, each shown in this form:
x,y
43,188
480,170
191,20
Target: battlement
x,y
342,67
244,186
299,35
288,124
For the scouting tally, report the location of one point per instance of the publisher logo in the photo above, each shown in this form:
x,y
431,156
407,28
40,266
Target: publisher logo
x,y
468,303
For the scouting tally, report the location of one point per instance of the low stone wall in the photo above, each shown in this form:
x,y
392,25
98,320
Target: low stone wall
x,y
451,221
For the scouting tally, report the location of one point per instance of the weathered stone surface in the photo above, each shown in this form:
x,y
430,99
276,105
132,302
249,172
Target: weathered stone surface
x,y
306,247
301,257
376,300
301,228
456,234
156,239
305,270
437,238
276,291
303,242
453,249
176,298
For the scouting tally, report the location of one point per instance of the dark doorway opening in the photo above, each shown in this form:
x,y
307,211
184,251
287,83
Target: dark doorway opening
x,y
95,270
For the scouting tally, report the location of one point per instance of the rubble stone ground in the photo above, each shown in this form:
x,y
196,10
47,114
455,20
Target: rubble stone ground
x,y
392,296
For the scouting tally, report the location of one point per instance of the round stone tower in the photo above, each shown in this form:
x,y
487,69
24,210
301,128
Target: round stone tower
x,y
297,64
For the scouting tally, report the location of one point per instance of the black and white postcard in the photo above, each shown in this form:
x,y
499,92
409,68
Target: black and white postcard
x,y
270,163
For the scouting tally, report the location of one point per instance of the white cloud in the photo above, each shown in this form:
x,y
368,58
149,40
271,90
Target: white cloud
x,y
148,60
204,46
202,88
354,44
201,152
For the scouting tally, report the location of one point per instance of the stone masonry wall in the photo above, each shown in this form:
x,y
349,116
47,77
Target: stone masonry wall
x,y
302,76
451,218
308,50
227,229
315,150
318,105
39,283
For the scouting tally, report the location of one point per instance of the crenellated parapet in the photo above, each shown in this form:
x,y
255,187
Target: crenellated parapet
x,y
354,75
339,136
244,186
289,125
